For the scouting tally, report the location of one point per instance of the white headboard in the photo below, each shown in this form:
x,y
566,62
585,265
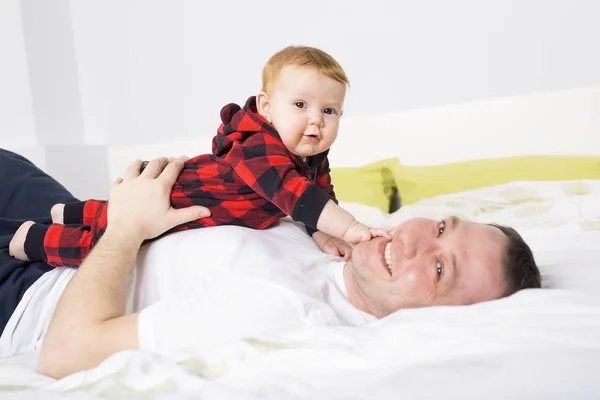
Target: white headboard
x,y
553,123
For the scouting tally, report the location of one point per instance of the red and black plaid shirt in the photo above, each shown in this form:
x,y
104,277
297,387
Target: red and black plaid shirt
x,y
250,180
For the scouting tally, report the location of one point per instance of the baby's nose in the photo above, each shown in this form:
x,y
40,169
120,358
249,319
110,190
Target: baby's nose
x,y
316,118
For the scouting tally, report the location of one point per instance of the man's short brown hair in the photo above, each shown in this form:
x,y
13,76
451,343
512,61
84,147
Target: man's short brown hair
x,y
520,269
302,56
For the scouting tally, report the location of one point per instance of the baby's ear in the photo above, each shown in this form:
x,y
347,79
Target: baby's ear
x,y
263,105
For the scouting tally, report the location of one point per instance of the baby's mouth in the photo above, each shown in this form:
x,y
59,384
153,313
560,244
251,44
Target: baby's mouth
x,y
311,138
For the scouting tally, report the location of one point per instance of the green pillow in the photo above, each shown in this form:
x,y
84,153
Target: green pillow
x,y
372,184
416,183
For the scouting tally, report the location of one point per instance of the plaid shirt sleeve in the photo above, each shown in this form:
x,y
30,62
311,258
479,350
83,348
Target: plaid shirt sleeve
x,y
82,212
67,245
324,182
262,163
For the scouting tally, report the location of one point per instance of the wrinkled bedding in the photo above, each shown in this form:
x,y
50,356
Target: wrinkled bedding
x,y
536,343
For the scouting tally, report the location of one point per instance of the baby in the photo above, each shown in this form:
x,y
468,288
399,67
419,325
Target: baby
x,y
269,160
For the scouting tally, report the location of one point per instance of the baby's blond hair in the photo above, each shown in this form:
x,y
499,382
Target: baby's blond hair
x,y
302,56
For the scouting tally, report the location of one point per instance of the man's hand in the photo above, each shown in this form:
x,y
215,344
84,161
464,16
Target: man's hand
x,y
89,322
332,245
140,205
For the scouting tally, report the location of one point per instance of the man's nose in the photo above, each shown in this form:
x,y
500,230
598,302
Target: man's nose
x,y
417,244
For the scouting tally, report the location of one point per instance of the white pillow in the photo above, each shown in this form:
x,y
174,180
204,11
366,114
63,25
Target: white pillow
x,y
368,215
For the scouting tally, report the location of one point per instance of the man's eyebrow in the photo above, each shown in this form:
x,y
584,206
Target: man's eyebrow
x,y
454,265
454,222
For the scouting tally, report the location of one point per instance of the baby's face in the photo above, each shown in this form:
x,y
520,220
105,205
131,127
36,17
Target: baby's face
x,y
305,107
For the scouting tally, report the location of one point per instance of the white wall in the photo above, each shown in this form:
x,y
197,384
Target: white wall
x,y
40,104
141,71
156,69
16,112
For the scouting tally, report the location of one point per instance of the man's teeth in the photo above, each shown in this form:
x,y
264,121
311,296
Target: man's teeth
x,y
388,255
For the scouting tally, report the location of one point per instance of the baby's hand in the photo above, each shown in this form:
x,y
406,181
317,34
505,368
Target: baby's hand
x,y
332,245
357,232
381,232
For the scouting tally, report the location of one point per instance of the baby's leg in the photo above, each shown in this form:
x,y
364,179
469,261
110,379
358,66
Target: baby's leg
x,y
16,247
57,213
80,213
58,245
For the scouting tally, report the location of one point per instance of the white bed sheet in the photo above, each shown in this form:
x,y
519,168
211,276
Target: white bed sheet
x,y
537,343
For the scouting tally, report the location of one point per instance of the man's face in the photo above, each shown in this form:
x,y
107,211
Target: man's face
x,y
450,262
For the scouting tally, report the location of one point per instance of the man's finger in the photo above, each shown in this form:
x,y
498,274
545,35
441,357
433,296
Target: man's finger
x,y
170,173
155,167
183,215
133,170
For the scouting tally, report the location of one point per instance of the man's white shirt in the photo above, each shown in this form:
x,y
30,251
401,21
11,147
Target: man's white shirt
x,y
210,286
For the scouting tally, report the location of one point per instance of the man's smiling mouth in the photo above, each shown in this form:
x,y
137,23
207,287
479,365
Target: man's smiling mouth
x,y
387,255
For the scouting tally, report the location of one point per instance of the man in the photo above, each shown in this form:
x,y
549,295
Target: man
x,y
426,263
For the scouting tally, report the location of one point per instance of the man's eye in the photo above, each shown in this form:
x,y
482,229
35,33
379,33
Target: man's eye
x,y
441,228
439,270
300,104
329,111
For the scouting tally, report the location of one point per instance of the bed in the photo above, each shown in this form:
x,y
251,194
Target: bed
x,y
531,162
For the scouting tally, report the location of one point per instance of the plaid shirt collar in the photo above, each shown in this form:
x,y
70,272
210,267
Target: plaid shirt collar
x,y
250,110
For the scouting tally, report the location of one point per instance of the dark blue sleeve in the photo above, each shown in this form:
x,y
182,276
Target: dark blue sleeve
x,y
27,193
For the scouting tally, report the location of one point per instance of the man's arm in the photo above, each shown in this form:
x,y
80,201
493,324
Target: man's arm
x,y
89,322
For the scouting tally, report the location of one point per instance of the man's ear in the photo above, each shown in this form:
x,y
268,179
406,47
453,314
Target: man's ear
x,y
263,105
